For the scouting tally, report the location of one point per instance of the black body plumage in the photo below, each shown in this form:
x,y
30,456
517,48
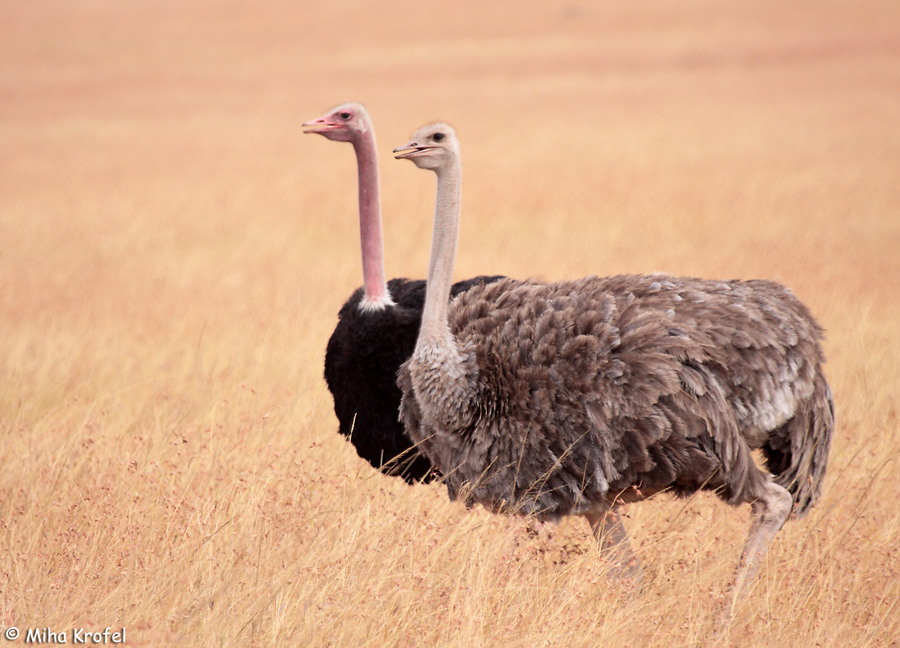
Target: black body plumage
x,y
361,362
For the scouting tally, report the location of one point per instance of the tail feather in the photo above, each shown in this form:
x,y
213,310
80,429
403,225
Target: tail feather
x,y
797,453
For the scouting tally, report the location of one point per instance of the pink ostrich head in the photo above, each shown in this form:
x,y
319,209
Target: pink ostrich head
x,y
348,122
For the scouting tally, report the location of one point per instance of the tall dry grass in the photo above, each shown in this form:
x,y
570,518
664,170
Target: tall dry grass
x,y
173,254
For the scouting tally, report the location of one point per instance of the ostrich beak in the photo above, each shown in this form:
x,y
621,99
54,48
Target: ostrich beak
x,y
409,150
320,125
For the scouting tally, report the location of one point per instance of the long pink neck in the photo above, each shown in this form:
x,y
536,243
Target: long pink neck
x,y
376,294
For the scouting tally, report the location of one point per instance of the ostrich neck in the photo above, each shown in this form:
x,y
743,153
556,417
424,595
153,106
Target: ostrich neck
x,y
376,294
443,255
442,376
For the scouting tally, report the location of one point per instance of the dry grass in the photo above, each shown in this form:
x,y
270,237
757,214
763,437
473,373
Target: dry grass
x,y
173,254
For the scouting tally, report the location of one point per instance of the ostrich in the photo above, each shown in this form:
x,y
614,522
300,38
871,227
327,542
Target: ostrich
x,y
576,397
377,326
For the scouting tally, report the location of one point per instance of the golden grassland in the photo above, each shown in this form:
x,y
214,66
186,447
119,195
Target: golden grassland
x,y
173,253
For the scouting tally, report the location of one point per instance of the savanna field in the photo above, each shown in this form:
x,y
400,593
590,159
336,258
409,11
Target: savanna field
x,y
174,252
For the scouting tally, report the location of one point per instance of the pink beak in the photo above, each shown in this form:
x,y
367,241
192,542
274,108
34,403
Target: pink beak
x,y
319,125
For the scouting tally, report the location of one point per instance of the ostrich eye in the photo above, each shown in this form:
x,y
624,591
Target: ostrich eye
x,y
345,116
438,137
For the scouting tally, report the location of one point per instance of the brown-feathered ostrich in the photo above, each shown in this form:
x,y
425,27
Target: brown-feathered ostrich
x,y
575,397
377,326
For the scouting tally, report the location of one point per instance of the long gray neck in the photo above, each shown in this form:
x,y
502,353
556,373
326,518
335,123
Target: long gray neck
x,y
376,294
443,253
443,379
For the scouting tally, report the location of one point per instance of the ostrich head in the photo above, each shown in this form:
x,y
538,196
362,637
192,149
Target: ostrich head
x,y
431,147
345,123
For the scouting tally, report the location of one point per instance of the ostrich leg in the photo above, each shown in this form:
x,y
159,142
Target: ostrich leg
x,y
770,512
610,532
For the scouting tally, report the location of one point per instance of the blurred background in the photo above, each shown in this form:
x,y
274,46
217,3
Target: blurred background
x,y
174,252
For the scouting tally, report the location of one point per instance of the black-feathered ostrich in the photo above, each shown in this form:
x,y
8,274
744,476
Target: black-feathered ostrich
x,y
576,397
377,326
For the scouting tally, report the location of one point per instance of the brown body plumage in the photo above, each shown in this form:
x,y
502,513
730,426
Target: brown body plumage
x,y
586,393
572,398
